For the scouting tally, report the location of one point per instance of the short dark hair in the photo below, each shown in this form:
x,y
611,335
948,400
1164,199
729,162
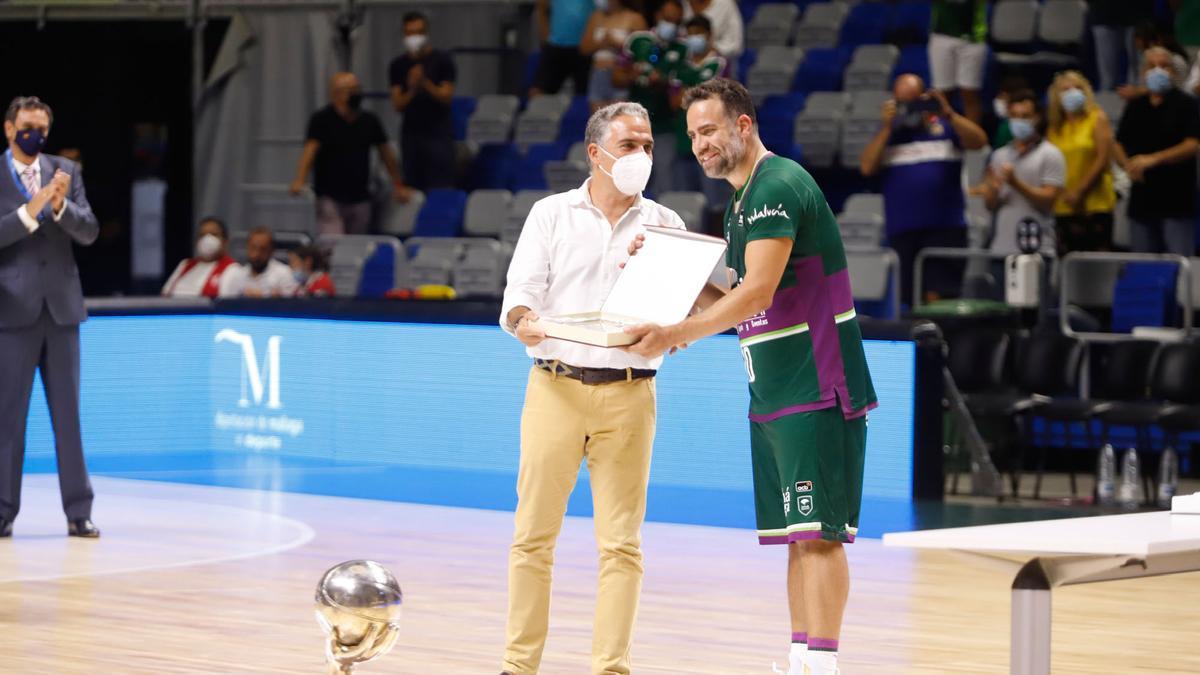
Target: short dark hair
x,y
664,3
731,93
219,223
412,16
27,103
1026,95
699,21
309,252
262,229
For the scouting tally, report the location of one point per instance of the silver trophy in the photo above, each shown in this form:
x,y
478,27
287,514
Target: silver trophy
x,y
358,607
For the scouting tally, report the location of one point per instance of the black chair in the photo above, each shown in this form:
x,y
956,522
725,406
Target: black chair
x,y
1173,404
976,357
1122,374
1048,364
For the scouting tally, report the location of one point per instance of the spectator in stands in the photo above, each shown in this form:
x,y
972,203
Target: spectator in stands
x,y
1112,31
726,21
1080,129
1187,24
603,42
1157,141
201,274
703,63
1024,179
997,120
311,272
649,84
338,144
422,88
958,50
560,26
1146,35
918,150
263,276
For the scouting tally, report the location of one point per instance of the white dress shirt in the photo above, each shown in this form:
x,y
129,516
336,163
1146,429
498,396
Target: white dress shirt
x,y
567,261
29,220
275,281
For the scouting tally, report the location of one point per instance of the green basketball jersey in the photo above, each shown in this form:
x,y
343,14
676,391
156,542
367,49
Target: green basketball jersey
x,y
805,352
964,19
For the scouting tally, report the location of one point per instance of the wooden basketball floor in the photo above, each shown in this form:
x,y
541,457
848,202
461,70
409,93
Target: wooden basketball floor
x,y
194,579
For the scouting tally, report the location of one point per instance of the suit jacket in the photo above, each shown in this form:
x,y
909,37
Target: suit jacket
x,y
40,267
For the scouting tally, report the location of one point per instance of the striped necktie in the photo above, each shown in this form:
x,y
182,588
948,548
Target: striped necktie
x,y
31,182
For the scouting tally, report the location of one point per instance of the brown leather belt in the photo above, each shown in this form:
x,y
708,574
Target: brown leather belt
x,y
592,376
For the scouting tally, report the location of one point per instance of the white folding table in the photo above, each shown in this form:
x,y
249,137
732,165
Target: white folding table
x,y
1066,552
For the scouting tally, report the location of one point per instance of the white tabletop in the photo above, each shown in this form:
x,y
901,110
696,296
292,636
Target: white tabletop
x,y
1139,534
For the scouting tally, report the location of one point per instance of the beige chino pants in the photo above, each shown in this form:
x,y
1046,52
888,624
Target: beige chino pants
x,y
564,422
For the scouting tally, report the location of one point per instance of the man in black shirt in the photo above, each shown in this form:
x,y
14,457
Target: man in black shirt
x,y
338,145
1156,144
422,88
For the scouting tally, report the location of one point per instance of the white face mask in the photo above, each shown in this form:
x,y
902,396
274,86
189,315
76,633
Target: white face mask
x,y
207,247
629,173
415,43
1000,107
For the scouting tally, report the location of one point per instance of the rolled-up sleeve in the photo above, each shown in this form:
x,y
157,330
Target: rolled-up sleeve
x,y
529,271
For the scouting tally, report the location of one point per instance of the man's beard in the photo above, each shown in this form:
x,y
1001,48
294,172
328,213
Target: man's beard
x,y
727,158
259,268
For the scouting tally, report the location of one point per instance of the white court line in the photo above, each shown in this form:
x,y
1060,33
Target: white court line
x,y
306,535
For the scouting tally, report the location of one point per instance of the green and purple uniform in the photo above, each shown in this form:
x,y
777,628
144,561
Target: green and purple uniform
x,y
809,385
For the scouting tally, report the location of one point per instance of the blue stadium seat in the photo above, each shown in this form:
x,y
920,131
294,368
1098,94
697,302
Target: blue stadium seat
x,y
821,70
378,273
913,18
777,121
1144,295
744,62
865,25
914,60
494,166
528,174
461,108
574,120
442,215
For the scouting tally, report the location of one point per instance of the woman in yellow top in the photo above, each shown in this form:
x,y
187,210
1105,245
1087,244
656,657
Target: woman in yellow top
x,y
1079,128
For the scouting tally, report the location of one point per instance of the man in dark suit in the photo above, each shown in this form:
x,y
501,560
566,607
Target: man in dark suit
x,y
43,209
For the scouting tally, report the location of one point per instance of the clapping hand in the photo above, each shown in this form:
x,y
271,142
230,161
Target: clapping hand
x,y
415,75
60,187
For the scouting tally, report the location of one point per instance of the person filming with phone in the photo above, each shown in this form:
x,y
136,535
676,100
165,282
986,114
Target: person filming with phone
x,y
918,155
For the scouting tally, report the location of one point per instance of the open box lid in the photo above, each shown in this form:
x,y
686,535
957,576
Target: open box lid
x,y
660,284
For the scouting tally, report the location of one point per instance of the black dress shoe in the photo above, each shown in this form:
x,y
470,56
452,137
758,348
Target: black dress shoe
x,y
83,527
5,527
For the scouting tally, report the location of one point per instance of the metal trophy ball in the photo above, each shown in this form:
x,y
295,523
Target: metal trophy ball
x,y
358,607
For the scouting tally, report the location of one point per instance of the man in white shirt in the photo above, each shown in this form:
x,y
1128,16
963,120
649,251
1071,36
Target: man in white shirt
x,y
726,20
582,401
263,276
201,274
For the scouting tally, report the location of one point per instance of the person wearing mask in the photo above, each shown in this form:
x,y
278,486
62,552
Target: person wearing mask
x,y
1083,216
703,63
919,151
649,85
958,50
1146,35
1024,179
422,82
337,150
560,25
311,273
1156,144
200,275
582,402
262,276
44,213
726,22
603,42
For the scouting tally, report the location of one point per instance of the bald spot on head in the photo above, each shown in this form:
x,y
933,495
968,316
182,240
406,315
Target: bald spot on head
x,y
908,87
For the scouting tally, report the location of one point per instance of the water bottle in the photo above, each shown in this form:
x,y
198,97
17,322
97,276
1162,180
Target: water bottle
x,y
1129,494
1168,477
1106,473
